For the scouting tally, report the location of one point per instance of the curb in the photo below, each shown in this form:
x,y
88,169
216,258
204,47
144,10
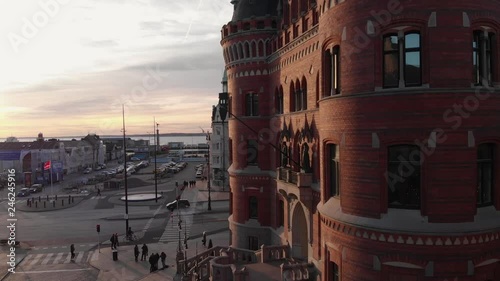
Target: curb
x,y
8,273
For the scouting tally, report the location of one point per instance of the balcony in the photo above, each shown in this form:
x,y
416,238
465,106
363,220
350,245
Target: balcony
x,y
297,183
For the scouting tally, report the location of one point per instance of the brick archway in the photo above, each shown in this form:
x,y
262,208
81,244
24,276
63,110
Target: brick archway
x,y
299,232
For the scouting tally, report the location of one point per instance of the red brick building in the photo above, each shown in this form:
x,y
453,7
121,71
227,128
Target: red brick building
x,y
366,135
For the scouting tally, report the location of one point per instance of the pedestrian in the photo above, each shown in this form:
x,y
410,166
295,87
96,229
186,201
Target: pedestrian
x,y
157,259
163,257
98,192
210,245
144,252
136,252
152,263
112,240
204,239
72,250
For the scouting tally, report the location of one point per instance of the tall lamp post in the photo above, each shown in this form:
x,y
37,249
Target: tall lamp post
x,y
125,170
156,152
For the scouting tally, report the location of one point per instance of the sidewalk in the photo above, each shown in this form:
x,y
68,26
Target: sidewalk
x,y
126,268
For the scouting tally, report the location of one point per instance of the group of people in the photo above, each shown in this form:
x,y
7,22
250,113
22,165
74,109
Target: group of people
x,y
186,184
153,258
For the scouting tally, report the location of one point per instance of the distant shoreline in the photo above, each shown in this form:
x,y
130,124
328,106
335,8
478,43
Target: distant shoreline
x,y
114,136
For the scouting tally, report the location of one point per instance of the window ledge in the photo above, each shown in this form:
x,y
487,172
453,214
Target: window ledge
x,y
399,89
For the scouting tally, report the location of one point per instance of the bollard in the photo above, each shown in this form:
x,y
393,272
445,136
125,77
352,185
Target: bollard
x,y
54,203
44,204
62,202
36,204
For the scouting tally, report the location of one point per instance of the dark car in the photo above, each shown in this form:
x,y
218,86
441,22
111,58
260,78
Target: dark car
x,y
36,188
183,203
23,192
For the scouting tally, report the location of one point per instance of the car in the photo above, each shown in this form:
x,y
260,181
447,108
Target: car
x,y
135,159
199,174
183,203
36,188
23,192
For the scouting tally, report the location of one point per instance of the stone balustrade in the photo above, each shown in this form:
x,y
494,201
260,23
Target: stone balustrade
x,y
295,272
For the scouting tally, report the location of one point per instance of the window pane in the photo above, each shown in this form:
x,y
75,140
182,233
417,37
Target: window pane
x,y
391,43
255,105
391,70
404,177
412,40
412,68
485,162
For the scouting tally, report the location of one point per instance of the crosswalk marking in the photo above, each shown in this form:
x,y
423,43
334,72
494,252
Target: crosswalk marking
x,y
36,259
171,232
58,257
47,258
79,257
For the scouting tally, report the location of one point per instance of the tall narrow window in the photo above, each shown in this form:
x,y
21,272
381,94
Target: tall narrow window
x,y
391,61
485,158
253,243
280,101
402,60
253,207
403,177
332,71
252,104
336,70
482,59
284,155
252,152
333,170
281,213
412,70
304,93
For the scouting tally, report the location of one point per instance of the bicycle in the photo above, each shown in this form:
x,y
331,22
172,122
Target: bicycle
x,y
131,237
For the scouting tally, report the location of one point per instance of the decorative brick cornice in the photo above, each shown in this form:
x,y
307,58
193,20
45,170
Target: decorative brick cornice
x,y
409,239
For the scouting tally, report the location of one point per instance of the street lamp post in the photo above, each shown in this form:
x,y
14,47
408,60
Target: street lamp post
x,y
125,170
156,174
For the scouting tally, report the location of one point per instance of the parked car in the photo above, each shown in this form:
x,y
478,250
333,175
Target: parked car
x,y
199,174
183,203
36,188
23,192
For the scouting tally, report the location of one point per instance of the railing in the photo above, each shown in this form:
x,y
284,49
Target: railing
x,y
227,264
300,179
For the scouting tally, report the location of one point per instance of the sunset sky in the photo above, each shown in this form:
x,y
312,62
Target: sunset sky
x,y
67,66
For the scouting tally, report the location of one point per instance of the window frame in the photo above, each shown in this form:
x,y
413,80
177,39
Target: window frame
x,y
486,50
252,104
401,52
253,207
411,148
333,169
479,176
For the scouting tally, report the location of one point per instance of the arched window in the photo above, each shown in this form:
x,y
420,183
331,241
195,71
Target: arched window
x,y
291,97
332,71
279,100
298,96
333,170
252,104
304,93
403,176
485,168
284,155
305,160
247,53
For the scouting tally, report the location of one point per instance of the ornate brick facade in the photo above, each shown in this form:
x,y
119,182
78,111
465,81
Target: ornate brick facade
x,y
365,134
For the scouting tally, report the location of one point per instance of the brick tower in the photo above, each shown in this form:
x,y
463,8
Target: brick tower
x,y
366,135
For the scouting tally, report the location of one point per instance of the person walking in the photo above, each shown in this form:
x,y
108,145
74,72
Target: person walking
x,y
136,252
157,259
163,257
72,250
152,263
144,255
112,240
98,192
